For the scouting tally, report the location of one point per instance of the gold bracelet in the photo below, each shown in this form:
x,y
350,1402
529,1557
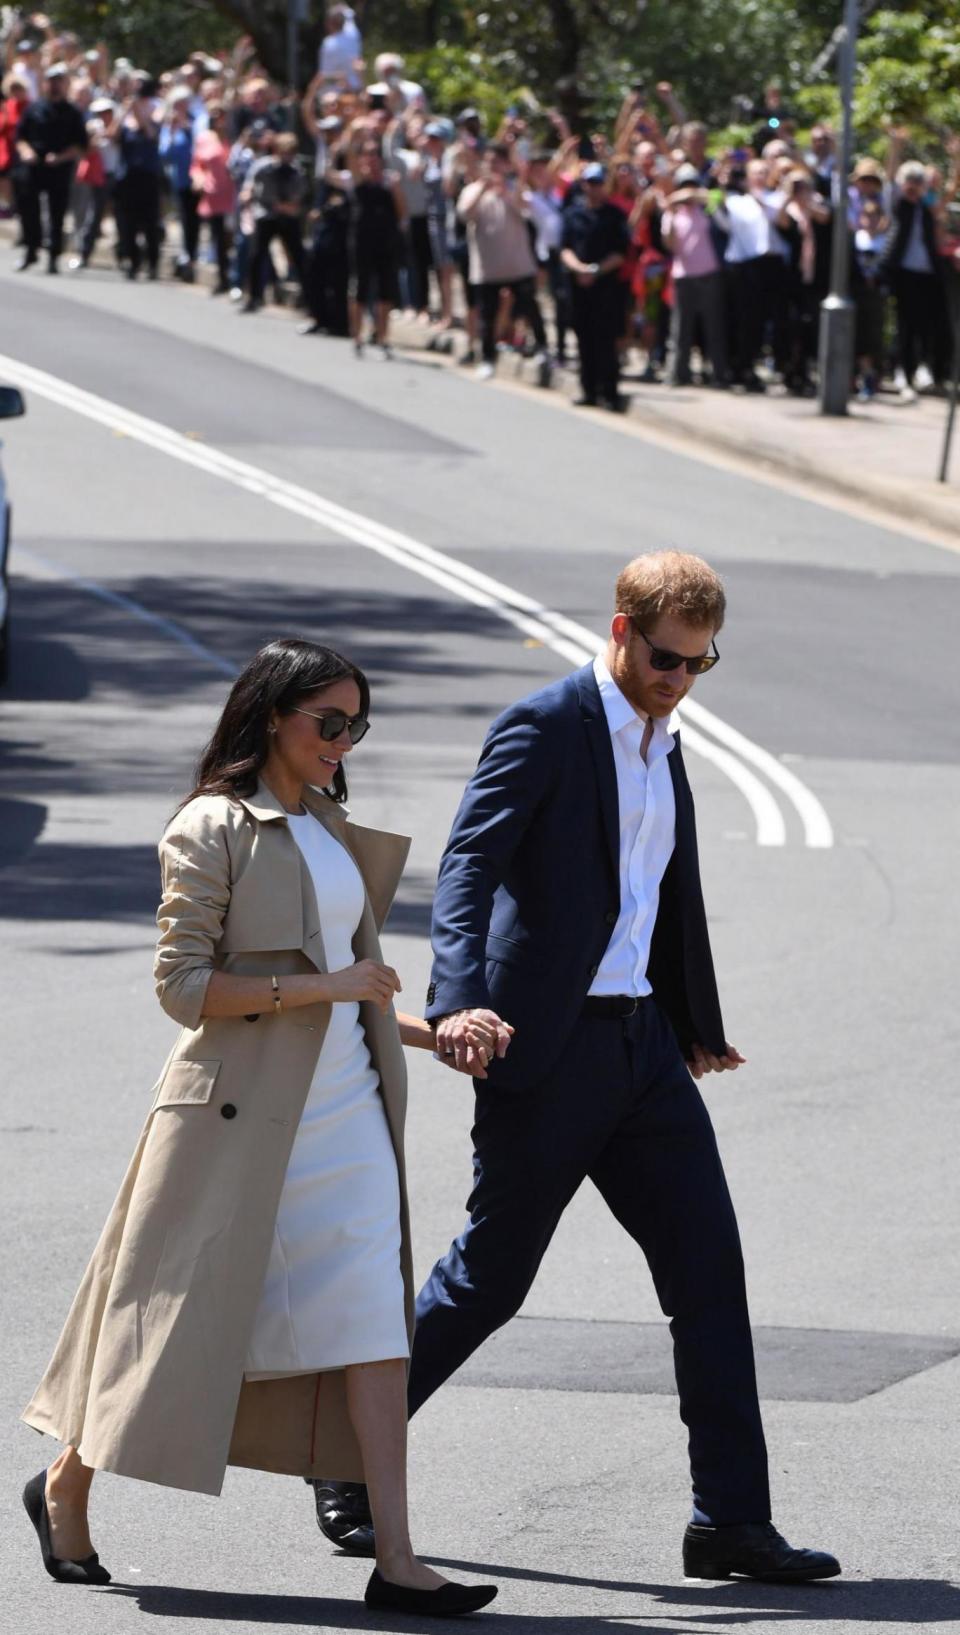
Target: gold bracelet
x,y
277,1003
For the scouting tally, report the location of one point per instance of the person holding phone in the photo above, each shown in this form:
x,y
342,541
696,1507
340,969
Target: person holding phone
x,y
496,212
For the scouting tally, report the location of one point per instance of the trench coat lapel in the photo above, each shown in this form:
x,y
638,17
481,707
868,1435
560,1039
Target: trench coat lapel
x,y
265,807
379,855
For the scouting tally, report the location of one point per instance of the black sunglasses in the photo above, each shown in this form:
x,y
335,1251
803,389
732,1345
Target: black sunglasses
x,y
331,726
662,659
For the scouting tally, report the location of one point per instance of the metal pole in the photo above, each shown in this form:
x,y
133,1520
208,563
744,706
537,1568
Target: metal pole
x,y
837,311
954,393
293,43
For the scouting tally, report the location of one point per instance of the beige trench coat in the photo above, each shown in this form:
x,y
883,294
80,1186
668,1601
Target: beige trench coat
x,y
147,1376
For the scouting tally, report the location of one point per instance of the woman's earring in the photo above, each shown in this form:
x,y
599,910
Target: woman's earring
x,y
271,729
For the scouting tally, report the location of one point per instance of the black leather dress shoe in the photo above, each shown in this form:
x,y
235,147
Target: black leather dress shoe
x,y
449,1601
343,1516
755,1550
87,1571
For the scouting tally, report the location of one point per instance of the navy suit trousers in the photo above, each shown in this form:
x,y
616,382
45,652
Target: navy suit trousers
x,y
622,1110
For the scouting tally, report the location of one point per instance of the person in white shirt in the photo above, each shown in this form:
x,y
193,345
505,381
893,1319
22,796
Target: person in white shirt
x,y
569,912
746,217
341,49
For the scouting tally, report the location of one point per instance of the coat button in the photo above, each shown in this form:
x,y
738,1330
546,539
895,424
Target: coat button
x,y
228,1110
593,971
254,1018
611,916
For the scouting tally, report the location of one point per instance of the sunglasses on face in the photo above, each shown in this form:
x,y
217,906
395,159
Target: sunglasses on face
x,y
662,659
332,725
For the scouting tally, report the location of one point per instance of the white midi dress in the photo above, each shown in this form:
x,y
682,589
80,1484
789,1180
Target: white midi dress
x,y
333,1293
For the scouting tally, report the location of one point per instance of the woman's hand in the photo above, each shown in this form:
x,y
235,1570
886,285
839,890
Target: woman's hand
x,y
365,980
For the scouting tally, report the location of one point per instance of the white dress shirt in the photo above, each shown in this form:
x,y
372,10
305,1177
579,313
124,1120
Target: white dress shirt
x,y
647,833
748,223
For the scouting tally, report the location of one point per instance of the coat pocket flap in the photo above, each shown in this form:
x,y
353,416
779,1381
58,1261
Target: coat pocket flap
x,y
186,1082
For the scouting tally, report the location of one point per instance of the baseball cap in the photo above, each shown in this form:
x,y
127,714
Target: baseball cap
x,y
593,173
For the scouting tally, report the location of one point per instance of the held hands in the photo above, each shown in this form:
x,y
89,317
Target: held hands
x,y
468,1040
365,980
705,1062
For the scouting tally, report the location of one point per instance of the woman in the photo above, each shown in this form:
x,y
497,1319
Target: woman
x,y
376,223
801,210
249,1301
176,154
211,178
136,199
14,102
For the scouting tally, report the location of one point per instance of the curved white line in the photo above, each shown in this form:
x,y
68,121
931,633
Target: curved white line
x,y
771,829
817,828
564,636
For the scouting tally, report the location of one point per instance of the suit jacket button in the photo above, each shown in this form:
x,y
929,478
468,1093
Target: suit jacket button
x,y
431,993
593,971
611,917
228,1110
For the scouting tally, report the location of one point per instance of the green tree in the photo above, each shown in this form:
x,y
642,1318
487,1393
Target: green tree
x,y
154,34
909,71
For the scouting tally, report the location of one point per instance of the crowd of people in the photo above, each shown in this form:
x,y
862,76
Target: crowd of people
x,y
644,241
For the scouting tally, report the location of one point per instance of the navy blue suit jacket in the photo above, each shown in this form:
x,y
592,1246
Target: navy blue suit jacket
x,y
529,886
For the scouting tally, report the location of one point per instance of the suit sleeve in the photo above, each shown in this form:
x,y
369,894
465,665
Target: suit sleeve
x,y
195,870
515,772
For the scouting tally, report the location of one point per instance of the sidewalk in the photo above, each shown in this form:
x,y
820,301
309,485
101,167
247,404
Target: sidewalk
x,y
884,455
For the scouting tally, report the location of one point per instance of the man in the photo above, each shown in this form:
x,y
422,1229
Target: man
x,y
569,902
496,211
913,268
278,192
595,241
51,137
341,50
752,264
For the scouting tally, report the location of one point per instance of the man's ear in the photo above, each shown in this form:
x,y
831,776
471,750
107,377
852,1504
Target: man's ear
x,y
620,628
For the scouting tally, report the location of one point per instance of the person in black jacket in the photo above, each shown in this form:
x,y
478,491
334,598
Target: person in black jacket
x,y
51,136
595,240
569,913
911,266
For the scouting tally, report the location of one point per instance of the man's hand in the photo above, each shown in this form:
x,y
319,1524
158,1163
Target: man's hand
x,y
467,1040
704,1061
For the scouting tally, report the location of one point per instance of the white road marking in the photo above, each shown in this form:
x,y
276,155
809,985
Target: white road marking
x,y
730,753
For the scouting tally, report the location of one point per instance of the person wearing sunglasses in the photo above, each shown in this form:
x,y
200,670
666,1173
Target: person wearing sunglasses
x,y
569,905
250,1300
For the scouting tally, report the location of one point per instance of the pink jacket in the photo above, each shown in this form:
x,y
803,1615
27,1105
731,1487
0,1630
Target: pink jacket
x,y
210,176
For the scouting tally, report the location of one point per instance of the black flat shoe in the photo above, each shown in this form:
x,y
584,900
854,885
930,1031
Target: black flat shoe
x,y
343,1516
449,1601
87,1571
755,1550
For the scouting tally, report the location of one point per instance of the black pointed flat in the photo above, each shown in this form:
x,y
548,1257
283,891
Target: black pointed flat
x,y
87,1571
449,1601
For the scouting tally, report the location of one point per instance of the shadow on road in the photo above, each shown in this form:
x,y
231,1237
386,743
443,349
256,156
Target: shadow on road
x,y
323,1612
910,1602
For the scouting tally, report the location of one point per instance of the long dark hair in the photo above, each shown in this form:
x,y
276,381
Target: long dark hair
x,y
276,679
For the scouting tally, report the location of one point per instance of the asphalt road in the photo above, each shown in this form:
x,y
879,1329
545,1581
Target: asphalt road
x,y
144,575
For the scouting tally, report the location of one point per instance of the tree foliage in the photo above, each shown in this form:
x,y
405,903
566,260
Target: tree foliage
x,y
910,70
582,55
154,34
